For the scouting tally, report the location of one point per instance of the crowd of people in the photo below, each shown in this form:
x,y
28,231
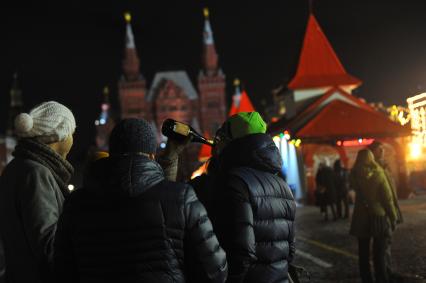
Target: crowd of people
x,y
332,190
376,210
131,221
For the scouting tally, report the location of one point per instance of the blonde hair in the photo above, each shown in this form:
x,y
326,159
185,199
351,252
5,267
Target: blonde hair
x,y
364,161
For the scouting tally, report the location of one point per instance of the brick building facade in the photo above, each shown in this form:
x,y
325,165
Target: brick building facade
x,y
171,94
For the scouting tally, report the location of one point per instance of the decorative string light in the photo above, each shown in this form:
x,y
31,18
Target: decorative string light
x,y
357,142
399,114
417,107
287,135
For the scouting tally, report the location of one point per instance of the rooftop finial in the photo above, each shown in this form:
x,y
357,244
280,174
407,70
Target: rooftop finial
x,y
128,17
130,40
206,12
106,90
237,82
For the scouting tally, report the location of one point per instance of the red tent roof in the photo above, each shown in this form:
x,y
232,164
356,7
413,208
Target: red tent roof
x,y
319,65
245,105
341,120
313,107
328,97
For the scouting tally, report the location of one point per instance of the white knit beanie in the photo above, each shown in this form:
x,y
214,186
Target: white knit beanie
x,y
50,122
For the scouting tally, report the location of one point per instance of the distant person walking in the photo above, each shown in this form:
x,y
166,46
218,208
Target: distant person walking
x,y
374,216
32,190
326,191
341,185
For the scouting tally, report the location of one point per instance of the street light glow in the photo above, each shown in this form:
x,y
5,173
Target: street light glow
x,y
415,150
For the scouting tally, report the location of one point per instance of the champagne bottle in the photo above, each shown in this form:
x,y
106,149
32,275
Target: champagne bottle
x,y
179,131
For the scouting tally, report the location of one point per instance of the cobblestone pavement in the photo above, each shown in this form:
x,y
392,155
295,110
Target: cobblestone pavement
x,y
329,253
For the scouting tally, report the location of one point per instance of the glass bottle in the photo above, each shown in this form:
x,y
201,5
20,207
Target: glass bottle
x,y
179,131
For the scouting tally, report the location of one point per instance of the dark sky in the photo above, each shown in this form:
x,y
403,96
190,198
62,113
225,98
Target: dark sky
x,y
68,50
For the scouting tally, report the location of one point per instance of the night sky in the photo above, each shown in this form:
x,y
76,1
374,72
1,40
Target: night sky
x,y
69,50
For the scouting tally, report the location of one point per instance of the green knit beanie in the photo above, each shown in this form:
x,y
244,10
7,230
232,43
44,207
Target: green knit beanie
x,y
246,123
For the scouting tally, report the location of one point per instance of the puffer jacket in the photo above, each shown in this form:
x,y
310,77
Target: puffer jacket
x,y
252,210
129,224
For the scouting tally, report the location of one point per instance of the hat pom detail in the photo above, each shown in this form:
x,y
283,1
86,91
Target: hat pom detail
x,y
23,123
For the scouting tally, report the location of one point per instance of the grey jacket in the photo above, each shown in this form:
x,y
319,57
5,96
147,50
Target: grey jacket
x,y
30,204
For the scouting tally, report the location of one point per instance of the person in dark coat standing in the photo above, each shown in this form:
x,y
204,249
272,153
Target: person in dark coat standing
x,y
32,190
327,191
129,224
341,185
378,151
377,148
252,209
374,217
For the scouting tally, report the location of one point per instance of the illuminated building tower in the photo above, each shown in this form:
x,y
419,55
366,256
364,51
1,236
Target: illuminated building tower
x,y
236,98
132,87
173,95
211,84
16,107
105,123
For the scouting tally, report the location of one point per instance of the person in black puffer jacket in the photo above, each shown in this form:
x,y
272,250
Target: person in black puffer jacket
x,y
252,209
129,224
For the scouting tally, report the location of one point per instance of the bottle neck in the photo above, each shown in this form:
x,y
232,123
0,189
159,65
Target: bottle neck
x,y
196,137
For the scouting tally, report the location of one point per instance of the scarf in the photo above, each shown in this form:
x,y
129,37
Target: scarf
x,y
61,169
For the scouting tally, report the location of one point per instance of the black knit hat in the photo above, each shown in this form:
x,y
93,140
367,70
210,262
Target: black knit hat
x,y
132,136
